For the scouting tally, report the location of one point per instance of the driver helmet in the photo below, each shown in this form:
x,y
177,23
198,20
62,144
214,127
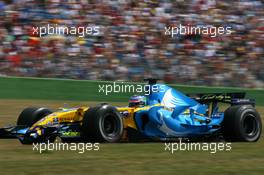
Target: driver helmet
x,y
137,101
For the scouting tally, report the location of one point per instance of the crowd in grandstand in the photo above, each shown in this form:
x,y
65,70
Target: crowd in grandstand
x,y
132,44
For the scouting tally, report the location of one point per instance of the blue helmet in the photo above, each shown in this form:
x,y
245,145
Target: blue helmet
x,y
137,101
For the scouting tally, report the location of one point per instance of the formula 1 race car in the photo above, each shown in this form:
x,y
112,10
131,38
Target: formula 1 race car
x,y
164,114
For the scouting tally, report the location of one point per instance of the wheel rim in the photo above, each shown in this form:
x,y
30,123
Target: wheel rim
x,y
250,125
110,125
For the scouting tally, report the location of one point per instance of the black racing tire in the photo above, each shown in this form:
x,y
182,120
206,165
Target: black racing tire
x,y
102,124
31,115
242,123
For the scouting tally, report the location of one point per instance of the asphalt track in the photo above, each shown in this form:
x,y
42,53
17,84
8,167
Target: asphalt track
x,y
123,158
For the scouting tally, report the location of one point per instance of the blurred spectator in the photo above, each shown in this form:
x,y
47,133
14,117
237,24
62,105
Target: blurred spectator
x,y
132,43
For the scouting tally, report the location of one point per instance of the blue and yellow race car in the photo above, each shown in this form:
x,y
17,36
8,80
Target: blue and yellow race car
x,y
165,114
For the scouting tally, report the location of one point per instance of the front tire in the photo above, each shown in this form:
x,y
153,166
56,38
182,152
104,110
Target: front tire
x,y
242,123
102,124
31,115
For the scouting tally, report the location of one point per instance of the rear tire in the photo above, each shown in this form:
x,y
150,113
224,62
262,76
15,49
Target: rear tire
x,y
31,115
242,123
102,124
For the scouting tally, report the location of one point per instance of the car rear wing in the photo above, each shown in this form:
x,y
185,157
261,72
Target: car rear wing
x,y
233,98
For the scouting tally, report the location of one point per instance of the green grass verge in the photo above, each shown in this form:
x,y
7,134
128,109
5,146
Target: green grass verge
x,y
142,159
59,89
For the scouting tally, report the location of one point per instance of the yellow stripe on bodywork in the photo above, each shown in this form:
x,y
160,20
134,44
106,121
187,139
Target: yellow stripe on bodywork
x,y
129,120
72,115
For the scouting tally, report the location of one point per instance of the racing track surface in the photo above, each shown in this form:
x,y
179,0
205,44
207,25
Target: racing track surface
x,y
124,158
